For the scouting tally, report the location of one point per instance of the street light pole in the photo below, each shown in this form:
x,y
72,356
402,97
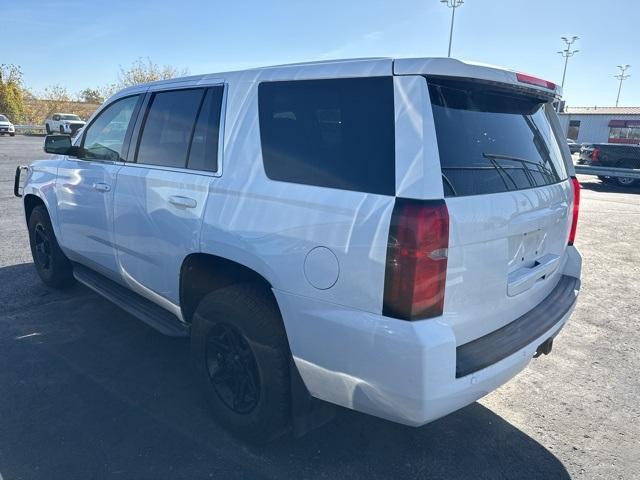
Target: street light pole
x,y
452,4
566,53
621,76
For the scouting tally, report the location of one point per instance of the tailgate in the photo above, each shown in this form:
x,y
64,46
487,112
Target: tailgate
x,y
509,197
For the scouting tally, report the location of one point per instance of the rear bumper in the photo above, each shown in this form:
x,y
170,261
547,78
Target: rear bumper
x,y
410,372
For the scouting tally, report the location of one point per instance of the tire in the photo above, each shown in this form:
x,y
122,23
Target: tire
x,y
53,267
626,181
61,130
48,129
12,134
241,355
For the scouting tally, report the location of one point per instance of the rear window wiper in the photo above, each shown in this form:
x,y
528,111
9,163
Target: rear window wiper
x,y
542,170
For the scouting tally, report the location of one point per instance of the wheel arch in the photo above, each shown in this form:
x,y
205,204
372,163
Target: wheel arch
x,y
31,201
203,273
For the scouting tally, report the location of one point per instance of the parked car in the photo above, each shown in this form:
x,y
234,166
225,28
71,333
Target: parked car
x,y
573,146
64,123
324,230
6,127
615,155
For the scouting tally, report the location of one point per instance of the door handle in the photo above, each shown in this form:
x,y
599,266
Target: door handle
x,y
183,202
101,187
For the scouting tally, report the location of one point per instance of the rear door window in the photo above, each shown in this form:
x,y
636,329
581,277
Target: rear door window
x,y
492,139
336,133
168,127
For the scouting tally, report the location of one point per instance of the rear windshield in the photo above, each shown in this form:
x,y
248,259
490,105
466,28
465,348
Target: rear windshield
x,y
492,139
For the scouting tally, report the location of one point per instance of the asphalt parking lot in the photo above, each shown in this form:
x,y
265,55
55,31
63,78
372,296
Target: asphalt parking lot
x,y
88,392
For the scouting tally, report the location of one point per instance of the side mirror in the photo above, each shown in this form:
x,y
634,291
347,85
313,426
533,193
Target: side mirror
x,y
59,145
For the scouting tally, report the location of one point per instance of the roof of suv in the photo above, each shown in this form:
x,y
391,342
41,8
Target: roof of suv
x,y
375,66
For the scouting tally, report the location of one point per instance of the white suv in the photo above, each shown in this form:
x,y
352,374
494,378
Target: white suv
x,y
6,126
68,123
391,236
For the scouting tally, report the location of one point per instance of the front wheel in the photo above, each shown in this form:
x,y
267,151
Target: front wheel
x,y
241,355
48,129
61,130
12,134
52,265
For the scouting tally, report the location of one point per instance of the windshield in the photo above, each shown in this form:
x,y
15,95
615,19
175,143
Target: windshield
x,y
69,117
492,139
3,118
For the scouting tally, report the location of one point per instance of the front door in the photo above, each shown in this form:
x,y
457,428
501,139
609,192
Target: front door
x,y
86,185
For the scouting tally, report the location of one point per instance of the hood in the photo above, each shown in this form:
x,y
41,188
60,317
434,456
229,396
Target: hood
x,y
5,124
74,122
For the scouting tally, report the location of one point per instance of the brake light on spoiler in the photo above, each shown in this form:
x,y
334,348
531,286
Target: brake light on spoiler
x,y
538,82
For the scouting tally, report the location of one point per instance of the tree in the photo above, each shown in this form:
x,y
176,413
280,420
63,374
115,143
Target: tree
x,y
143,70
57,99
91,95
11,92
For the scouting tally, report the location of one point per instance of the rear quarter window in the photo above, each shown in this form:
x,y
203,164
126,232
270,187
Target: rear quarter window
x,y
336,133
492,139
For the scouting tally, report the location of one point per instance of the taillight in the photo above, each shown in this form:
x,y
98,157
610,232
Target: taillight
x,y
595,155
576,209
539,82
417,251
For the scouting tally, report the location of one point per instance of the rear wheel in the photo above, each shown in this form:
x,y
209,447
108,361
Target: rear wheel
x,y
241,355
52,265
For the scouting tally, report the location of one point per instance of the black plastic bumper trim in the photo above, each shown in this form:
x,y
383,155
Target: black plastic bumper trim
x,y
505,341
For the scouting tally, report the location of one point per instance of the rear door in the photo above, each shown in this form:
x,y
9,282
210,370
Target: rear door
x,y
160,194
508,193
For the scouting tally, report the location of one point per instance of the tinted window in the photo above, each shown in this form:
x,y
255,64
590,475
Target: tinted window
x,y
104,138
492,140
335,133
167,130
203,154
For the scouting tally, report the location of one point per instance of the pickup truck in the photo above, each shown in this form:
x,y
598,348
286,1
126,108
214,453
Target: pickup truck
x,y
612,155
64,123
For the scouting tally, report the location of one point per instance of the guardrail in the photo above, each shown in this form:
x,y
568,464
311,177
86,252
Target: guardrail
x,y
30,129
609,172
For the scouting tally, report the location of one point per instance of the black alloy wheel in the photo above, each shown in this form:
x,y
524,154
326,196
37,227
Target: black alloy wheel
x,y
232,368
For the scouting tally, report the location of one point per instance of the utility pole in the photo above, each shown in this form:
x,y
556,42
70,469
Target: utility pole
x,y
566,53
621,76
452,4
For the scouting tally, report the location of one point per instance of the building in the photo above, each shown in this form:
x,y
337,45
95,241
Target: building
x,y
601,124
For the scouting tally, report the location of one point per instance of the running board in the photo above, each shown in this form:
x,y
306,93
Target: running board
x,y
156,317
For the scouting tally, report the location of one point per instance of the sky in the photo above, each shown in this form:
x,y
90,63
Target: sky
x,y
82,43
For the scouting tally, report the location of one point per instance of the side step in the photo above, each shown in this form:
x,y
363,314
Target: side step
x,y
156,317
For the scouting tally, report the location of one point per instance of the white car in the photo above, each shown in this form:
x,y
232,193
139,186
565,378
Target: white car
x,y
392,236
66,123
6,127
